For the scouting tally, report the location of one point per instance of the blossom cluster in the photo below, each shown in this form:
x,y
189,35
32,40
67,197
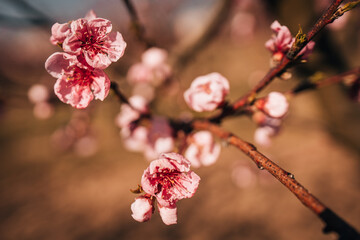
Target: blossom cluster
x,y
89,47
155,135
281,42
167,180
268,114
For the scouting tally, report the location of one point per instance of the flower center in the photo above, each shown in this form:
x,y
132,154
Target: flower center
x,y
80,76
93,41
206,88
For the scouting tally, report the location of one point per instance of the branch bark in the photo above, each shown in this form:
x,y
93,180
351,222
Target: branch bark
x,y
333,223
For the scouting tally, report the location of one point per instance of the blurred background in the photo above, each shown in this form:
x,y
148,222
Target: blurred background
x,y
64,173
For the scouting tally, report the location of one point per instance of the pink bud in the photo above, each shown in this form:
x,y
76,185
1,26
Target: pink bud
x,y
142,209
154,57
275,105
206,93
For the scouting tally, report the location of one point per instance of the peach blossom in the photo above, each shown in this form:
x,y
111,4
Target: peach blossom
x,y
206,93
276,105
76,83
92,38
170,179
202,150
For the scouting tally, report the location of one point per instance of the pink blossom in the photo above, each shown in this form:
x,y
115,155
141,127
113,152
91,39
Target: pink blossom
x,y
152,69
131,113
169,179
92,38
77,84
281,42
206,93
142,209
135,140
202,150
139,73
275,105
160,138
154,57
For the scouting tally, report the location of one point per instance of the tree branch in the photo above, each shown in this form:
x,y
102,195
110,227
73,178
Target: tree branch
x,y
136,24
333,223
325,19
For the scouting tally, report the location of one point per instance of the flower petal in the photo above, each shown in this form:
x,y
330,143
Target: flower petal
x,y
58,62
77,96
100,85
116,47
168,214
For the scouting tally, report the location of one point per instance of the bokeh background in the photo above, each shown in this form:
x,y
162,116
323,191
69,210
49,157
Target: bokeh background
x,y
64,173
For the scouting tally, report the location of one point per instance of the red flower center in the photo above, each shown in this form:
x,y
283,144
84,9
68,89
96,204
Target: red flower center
x,y
93,41
81,77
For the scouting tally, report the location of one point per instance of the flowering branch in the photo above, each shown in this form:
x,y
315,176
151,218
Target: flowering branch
x,y
325,19
333,222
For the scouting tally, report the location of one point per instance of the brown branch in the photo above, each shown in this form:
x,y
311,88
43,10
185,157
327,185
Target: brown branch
x,y
325,19
115,87
332,221
308,84
136,24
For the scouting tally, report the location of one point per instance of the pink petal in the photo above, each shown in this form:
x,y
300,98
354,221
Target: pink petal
x,y
76,96
90,15
99,26
116,46
59,32
72,44
100,85
275,26
168,215
99,60
59,62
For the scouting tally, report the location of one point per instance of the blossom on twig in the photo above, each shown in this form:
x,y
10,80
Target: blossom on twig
x,y
153,68
77,84
203,150
206,93
280,43
274,104
142,209
168,179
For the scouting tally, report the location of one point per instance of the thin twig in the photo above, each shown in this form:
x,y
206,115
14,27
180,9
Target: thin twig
x,y
136,24
325,19
115,87
308,84
333,223
211,31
